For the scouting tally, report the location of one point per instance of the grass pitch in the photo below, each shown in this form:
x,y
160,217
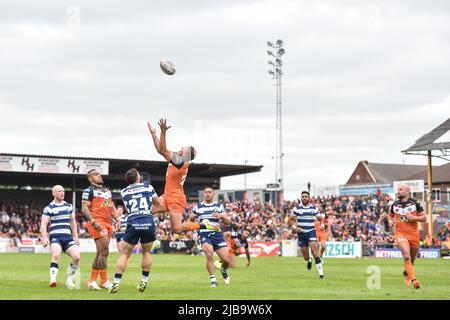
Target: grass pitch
x,y
179,277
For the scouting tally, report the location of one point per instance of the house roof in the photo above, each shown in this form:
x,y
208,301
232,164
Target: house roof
x,y
388,172
440,174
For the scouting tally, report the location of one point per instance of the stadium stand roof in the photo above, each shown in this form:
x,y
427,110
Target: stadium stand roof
x,y
436,139
200,175
198,169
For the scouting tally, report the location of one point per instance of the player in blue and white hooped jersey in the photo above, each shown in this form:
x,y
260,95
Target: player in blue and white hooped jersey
x,y
212,213
63,236
302,222
120,232
138,198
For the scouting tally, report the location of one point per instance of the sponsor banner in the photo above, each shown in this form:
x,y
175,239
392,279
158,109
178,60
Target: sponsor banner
x,y
335,249
395,253
440,208
4,245
262,249
417,186
52,165
88,245
362,190
178,246
289,248
26,249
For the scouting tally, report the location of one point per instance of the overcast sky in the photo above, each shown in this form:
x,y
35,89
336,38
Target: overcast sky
x,y
362,81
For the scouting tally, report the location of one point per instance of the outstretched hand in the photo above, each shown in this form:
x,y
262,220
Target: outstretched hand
x,y
163,125
150,128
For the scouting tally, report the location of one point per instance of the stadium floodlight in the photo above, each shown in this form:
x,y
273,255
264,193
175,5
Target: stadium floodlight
x,y
276,62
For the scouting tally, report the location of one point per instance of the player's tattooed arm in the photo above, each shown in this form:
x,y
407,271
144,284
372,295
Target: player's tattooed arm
x,y
43,229
167,154
85,210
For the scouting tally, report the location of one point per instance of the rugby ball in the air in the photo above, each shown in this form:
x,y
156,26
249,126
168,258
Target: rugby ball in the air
x,y
167,67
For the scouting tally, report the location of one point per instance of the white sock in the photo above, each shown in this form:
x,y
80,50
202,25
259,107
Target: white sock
x,y
73,270
53,274
319,269
213,278
144,278
117,278
310,260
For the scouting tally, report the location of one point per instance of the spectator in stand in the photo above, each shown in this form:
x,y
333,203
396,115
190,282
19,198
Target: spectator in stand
x,y
352,219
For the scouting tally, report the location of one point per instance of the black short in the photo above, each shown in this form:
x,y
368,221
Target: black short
x,y
142,229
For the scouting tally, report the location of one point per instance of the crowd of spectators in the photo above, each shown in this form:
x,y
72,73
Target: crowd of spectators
x,y
351,219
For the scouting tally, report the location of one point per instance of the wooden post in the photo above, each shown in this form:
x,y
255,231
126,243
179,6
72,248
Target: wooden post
x,y
430,196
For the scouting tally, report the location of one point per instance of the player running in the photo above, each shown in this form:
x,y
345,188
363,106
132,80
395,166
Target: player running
x,y
213,241
63,234
236,240
403,217
123,226
322,231
174,200
97,208
138,198
302,222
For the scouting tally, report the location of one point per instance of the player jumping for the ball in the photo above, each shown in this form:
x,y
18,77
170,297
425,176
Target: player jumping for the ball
x,y
174,200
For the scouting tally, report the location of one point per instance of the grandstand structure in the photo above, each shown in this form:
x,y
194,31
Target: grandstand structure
x,y
27,177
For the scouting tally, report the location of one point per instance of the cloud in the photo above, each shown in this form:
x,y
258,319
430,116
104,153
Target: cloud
x,y
362,80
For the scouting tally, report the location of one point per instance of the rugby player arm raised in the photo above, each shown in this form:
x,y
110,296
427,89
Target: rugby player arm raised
x,y
161,145
154,136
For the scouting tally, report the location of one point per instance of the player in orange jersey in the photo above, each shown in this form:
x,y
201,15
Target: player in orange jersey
x,y
98,208
236,240
174,200
322,231
403,217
